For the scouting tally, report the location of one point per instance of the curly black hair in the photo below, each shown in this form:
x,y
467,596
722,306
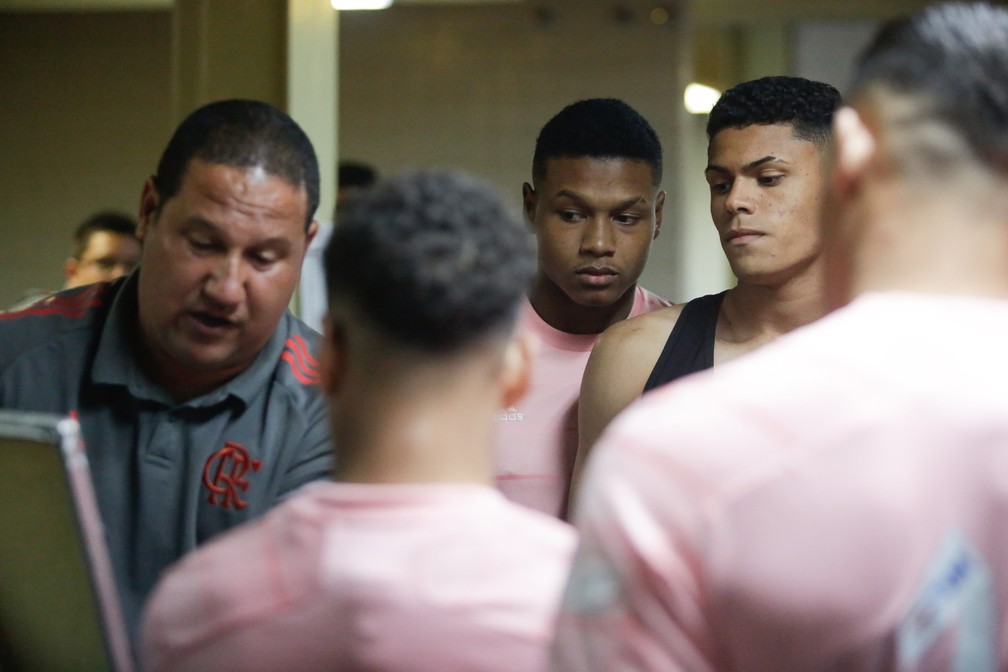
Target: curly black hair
x,y
435,260
601,128
241,134
807,105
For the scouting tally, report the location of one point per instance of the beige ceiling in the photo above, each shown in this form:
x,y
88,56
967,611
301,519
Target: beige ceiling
x,y
100,5
81,5
704,9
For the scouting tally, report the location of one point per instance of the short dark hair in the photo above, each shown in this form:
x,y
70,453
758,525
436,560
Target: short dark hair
x,y
600,128
106,220
953,59
355,174
805,104
241,134
434,260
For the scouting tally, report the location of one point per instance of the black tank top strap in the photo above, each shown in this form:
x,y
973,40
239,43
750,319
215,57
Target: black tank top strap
x,y
690,346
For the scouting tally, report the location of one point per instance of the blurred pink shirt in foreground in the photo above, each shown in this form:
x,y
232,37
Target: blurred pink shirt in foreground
x,y
837,500
367,577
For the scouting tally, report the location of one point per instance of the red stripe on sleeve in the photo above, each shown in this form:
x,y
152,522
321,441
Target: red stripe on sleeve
x,y
307,379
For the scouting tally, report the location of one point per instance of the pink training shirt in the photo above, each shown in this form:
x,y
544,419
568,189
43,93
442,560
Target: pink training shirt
x,y
427,578
537,440
837,500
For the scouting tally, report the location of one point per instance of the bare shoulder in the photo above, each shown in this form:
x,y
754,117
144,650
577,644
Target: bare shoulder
x,y
640,336
618,369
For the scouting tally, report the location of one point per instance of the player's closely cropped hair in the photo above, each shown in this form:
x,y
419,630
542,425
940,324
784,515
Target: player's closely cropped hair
x,y
433,259
921,58
807,105
241,134
600,128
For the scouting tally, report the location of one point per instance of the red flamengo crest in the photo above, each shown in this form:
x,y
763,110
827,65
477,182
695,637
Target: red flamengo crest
x,y
224,474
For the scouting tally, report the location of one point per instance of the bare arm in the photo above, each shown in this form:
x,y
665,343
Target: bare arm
x,y
617,369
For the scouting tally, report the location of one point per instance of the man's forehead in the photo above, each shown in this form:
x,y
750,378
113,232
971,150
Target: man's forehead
x,y
100,236
227,184
595,170
759,143
258,171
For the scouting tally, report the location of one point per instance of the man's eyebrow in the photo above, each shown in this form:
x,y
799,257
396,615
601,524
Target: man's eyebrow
x,y
759,162
574,196
770,158
195,221
631,202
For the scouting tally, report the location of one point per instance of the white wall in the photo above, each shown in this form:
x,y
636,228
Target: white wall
x,y
86,102
825,50
470,87
84,114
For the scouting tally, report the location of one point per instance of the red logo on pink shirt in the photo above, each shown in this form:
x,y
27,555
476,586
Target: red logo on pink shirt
x,y
228,467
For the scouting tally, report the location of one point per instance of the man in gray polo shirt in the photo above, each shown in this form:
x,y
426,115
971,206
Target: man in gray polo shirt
x,y
194,385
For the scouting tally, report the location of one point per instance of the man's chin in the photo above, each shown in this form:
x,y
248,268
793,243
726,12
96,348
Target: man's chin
x,y
601,298
203,361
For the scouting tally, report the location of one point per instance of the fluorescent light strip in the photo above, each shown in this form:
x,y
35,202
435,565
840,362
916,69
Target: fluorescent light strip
x,y
361,4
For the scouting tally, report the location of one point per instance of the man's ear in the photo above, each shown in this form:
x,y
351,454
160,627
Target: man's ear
x,y
150,201
332,359
70,268
659,206
311,233
529,198
516,374
855,148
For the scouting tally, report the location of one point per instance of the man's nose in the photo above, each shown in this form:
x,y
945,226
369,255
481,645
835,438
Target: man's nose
x,y
598,237
225,284
741,198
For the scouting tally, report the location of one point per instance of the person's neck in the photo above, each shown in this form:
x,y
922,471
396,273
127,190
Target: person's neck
x,y
758,313
183,385
420,430
917,242
557,310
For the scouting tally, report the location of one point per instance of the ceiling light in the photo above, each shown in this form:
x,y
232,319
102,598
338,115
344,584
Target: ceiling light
x,y
699,99
361,4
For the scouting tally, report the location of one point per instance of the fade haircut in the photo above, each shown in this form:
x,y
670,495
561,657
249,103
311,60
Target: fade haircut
x,y
241,134
108,220
434,260
951,61
807,105
599,128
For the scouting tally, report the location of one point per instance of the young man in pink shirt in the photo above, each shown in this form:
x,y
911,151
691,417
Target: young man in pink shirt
x,y
837,499
412,560
595,204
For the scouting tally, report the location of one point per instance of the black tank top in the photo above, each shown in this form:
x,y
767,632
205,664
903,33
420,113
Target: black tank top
x,y
690,346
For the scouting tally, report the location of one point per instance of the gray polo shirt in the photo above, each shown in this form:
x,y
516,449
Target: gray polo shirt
x,y
169,476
